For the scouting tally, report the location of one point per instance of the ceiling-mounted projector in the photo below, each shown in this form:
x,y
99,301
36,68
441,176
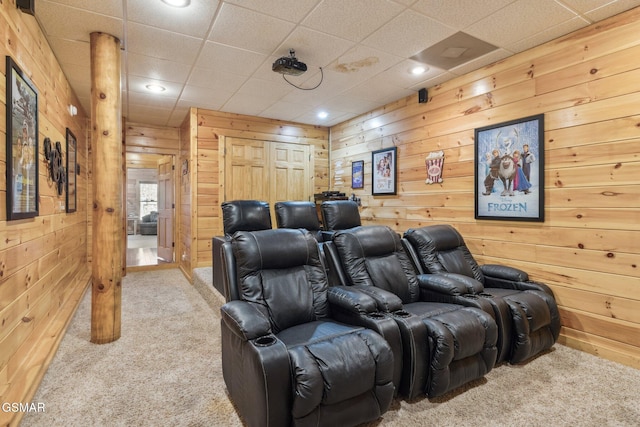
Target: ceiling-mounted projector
x,y
289,65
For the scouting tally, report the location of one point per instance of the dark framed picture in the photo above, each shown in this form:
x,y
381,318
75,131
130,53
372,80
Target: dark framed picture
x,y
384,165
71,171
22,144
357,174
509,170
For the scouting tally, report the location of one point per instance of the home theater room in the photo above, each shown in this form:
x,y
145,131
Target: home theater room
x,y
320,212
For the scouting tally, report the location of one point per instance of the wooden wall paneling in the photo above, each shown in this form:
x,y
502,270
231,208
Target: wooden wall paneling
x,y
587,85
44,261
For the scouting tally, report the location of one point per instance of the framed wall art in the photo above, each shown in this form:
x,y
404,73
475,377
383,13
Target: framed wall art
x,y
71,171
22,144
509,170
357,174
384,165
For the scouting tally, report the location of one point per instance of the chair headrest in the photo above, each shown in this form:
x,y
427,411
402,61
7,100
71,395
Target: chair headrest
x,y
297,214
245,215
340,214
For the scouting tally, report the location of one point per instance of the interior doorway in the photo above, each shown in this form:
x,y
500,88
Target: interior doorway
x,y
149,210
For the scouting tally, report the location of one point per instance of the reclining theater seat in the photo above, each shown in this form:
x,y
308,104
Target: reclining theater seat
x,y
444,345
245,215
525,311
285,361
298,214
339,215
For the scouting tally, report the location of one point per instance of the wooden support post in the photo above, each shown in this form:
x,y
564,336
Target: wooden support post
x,y
108,233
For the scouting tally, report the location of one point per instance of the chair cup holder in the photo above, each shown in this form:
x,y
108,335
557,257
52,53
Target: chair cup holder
x,y
401,313
376,316
265,341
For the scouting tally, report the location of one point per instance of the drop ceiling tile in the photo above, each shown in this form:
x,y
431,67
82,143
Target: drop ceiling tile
x,y
193,20
401,74
482,61
151,100
215,56
265,89
155,68
71,52
609,9
284,110
216,79
55,19
244,103
207,103
378,89
408,34
157,43
201,96
314,48
348,104
250,30
290,10
353,19
363,62
459,14
547,35
519,20
108,8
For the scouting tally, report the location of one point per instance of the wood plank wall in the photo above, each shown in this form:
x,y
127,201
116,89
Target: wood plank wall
x,y
588,86
211,126
186,216
43,260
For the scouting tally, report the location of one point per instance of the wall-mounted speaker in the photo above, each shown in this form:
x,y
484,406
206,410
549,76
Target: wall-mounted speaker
x,y
422,96
27,6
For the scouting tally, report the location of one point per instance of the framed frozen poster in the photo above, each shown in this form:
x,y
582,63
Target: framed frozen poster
x,y
509,170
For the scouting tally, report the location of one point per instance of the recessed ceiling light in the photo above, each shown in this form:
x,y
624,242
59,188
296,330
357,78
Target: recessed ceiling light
x,y
323,115
155,88
418,70
177,3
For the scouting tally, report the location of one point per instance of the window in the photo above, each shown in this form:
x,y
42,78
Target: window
x,y
148,198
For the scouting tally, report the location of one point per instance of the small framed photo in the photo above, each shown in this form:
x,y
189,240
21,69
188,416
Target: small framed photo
x,y
357,174
509,170
22,144
71,171
385,167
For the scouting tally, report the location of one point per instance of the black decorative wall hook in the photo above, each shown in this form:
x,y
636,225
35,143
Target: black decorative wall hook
x,y
53,154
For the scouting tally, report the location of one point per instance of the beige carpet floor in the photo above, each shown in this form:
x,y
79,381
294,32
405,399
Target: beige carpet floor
x,y
165,370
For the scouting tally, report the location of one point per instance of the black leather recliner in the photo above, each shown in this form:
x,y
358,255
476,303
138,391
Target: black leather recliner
x,y
245,215
444,345
298,214
285,360
525,311
339,215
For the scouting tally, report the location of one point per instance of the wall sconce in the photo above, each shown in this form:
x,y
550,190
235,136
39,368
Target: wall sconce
x,y
73,110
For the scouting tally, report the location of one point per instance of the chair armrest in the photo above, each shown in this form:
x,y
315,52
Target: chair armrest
x,y
348,298
244,320
501,276
504,272
449,284
385,301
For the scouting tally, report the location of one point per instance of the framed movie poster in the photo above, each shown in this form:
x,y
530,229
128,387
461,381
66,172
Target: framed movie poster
x,y
71,171
357,174
22,144
384,165
509,170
